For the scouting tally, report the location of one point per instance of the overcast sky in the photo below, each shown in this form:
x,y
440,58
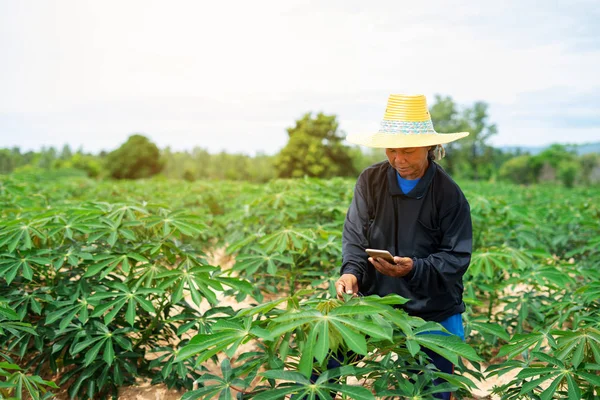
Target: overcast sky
x,y
232,75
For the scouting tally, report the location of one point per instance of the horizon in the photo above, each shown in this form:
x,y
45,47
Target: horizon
x,y
189,150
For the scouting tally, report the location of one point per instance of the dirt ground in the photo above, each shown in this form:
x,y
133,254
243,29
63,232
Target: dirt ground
x,y
144,391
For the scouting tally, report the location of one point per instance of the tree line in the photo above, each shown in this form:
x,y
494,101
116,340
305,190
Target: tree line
x,y
315,148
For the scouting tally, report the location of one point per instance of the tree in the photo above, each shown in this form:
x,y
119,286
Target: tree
x,y
471,156
555,154
88,163
445,118
137,158
46,157
560,160
567,172
477,151
363,157
555,164
590,164
520,169
7,161
66,153
314,149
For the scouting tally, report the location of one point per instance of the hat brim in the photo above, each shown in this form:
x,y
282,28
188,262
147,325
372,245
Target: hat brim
x,y
394,141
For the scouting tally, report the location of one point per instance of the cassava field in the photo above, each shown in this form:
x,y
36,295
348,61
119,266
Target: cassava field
x,y
104,285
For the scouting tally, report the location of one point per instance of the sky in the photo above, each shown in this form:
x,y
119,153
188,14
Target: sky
x,y
233,75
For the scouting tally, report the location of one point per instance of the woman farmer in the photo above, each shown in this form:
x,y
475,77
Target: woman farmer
x,y
410,207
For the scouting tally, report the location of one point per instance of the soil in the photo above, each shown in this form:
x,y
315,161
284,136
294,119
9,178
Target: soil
x,y
145,391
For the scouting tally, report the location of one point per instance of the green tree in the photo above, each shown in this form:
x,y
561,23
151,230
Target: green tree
x,y
589,163
200,164
363,157
7,161
314,149
555,164
88,163
521,169
137,158
562,161
472,156
446,119
475,148
66,153
555,154
46,157
568,171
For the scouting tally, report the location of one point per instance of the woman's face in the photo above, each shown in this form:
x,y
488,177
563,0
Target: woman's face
x,y
410,162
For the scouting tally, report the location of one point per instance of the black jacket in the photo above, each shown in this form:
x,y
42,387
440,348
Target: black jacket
x,y
431,224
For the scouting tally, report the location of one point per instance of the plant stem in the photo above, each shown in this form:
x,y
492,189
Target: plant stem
x,y
146,333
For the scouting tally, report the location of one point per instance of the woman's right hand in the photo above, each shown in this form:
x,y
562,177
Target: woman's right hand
x,y
347,284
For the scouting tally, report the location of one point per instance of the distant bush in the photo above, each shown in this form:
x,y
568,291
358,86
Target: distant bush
x,y
521,169
137,158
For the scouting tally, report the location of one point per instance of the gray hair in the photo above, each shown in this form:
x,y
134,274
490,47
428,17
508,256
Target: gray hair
x,y
436,152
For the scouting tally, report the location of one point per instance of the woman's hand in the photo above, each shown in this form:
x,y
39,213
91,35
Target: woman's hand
x,y
401,266
346,284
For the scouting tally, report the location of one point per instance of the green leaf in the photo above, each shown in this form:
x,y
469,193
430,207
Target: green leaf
x,y
305,365
493,329
282,375
551,389
390,299
276,394
261,333
84,344
449,347
138,257
27,271
355,341
355,309
146,305
91,354
203,393
130,315
322,343
9,313
528,386
456,380
94,269
353,392
9,366
520,343
125,265
226,369
68,319
201,342
109,352
574,390
413,347
591,378
279,330
529,372
578,354
260,309
116,307
376,331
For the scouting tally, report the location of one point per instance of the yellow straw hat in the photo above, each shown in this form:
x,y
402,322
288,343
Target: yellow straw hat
x,y
406,123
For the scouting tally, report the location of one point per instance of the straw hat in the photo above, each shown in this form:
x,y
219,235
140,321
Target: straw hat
x,y
406,123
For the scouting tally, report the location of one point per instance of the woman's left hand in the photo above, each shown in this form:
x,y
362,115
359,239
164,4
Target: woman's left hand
x,y
401,266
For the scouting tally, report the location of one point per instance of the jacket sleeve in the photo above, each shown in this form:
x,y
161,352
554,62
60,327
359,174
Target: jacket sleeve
x,y
354,237
438,272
